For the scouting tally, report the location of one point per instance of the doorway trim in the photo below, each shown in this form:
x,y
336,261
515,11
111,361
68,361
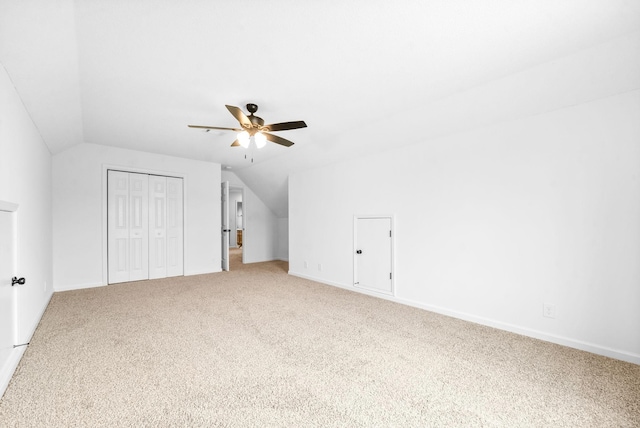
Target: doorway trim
x,y
231,212
244,216
105,210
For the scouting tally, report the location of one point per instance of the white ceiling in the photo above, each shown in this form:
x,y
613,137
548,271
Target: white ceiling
x,y
133,73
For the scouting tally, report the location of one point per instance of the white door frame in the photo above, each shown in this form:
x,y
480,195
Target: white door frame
x,y
225,227
393,246
244,217
105,213
233,212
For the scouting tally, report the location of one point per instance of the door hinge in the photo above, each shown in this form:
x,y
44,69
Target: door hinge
x,y
389,275
389,234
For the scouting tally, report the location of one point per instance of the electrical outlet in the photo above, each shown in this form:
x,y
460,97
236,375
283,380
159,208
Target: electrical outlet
x,y
548,310
306,264
320,267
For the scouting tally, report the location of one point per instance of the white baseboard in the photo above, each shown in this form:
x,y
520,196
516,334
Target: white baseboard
x,y
524,331
10,366
32,328
202,272
345,286
71,287
58,288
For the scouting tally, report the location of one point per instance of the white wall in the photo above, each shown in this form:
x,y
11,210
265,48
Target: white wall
x,y
260,237
79,211
493,222
283,239
25,179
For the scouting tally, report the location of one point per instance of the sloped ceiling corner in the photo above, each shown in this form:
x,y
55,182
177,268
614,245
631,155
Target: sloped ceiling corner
x,y
38,48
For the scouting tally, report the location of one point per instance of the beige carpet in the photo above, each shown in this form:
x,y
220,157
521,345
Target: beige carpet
x,y
256,347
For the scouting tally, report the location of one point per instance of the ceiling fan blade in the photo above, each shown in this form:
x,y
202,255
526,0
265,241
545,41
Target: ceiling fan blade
x,y
278,140
240,116
215,127
284,126
235,144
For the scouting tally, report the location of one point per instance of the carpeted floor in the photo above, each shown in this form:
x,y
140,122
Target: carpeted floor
x,y
257,347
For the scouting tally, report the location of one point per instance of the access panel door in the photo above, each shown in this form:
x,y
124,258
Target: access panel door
x,y
373,258
7,316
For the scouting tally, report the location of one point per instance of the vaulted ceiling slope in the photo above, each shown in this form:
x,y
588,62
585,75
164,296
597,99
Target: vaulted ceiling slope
x,y
363,74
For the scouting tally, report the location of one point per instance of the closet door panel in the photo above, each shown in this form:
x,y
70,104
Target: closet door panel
x,y
118,226
127,228
157,227
175,228
139,227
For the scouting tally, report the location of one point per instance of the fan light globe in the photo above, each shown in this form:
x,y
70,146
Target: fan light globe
x,y
260,140
244,139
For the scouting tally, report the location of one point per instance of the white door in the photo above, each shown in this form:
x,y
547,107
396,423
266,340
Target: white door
x,y
145,226
128,235
373,263
157,227
175,227
7,271
225,225
138,227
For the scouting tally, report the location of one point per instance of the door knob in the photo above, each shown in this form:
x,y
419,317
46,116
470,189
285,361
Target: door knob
x,y
15,281
359,252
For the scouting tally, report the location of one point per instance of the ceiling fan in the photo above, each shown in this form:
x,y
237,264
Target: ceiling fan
x,y
253,126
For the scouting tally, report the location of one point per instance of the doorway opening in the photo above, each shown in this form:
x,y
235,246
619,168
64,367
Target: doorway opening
x,y
233,226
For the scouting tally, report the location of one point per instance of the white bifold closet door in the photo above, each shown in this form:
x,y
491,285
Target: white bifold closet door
x,y
165,227
145,227
128,226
